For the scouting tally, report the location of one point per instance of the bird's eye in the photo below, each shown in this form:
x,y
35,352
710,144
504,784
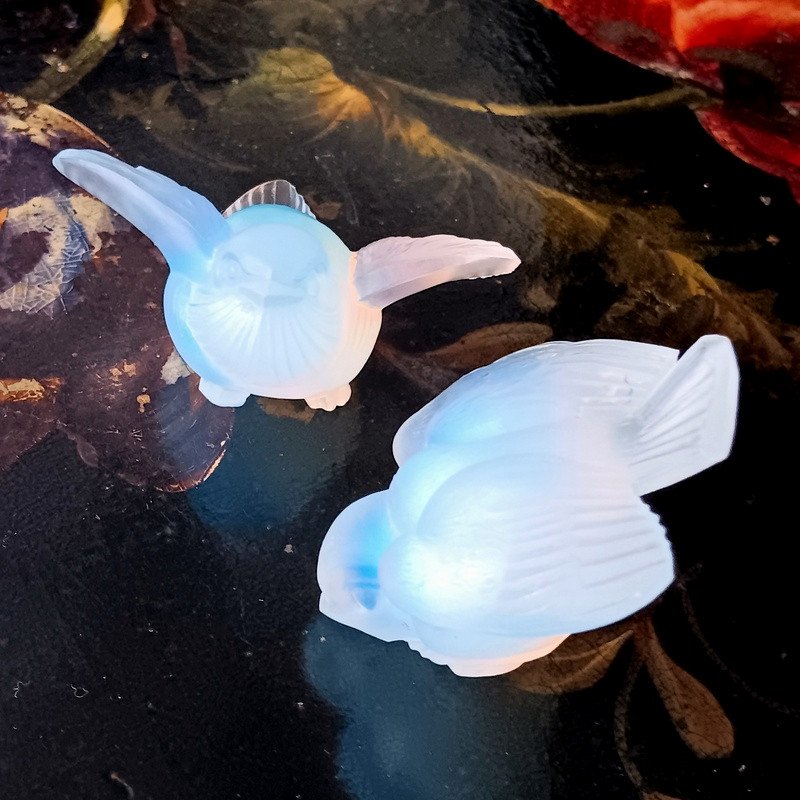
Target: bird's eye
x,y
230,270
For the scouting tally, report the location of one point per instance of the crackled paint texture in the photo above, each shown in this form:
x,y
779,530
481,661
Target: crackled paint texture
x,y
80,313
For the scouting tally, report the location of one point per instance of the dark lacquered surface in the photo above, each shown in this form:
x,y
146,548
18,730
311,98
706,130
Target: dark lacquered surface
x,y
172,638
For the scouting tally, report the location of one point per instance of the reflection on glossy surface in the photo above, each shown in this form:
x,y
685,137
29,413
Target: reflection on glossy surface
x,y
413,731
274,466
83,346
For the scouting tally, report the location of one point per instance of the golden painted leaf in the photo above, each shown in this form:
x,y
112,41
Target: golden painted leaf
x,y
698,717
569,669
635,268
313,98
27,390
435,370
668,297
306,80
288,409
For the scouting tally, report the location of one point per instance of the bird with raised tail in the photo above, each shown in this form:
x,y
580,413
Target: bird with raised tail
x,y
264,299
516,518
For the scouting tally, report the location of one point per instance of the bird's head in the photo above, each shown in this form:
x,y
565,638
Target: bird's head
x,y
271,258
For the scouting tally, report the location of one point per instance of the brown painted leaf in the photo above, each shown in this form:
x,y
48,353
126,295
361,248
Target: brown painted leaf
x,y
429,376
698,717
64,251
435,370
142,15
485,345
323,209
658,796
580,662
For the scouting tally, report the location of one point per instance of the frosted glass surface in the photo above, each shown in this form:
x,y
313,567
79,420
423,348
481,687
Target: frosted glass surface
x,y
264,299
516,518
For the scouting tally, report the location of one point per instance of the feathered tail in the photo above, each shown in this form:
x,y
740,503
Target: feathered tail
x,y
687,423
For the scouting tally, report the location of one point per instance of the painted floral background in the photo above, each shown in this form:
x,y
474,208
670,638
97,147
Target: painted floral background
x,y
158,626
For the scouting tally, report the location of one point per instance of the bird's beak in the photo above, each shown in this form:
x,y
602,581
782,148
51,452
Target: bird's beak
x,y
263,293
347,571
285,295
290,293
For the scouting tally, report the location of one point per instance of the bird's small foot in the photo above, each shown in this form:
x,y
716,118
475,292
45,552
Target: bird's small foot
x,y
327,401
220,396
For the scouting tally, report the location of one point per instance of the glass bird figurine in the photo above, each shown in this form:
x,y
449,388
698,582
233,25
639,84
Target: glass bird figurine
x,y
264,299
515,517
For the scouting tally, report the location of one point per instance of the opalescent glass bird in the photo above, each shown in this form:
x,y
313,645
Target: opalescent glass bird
x,y
516,518
263,298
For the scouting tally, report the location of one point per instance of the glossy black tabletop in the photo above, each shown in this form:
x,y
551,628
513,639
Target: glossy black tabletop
x,y
159,630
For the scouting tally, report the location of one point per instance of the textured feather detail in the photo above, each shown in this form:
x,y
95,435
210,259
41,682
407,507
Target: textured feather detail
x,y
393,268
514,520
273,346
552,547
687,423
273,193
182,224
600,379
229,318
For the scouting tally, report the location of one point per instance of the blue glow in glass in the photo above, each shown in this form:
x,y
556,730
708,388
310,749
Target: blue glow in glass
x,y
264,299
515,517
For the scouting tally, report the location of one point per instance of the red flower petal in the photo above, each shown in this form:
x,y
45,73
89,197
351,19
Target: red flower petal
x,y
640,31
763,142
735,24
689,38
